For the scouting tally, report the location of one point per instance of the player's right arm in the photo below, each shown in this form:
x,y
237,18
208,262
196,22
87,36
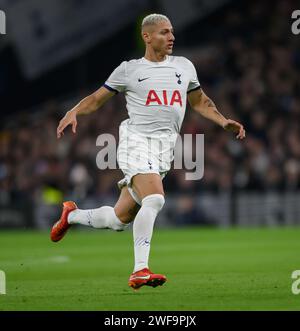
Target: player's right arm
x,y
87,105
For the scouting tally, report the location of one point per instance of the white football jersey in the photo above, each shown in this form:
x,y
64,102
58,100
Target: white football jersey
x,y
155,93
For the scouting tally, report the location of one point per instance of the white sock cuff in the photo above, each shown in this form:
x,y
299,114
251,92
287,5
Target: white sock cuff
x,y
155,201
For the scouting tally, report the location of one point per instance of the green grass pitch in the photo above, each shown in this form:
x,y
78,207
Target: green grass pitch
x,y
207,269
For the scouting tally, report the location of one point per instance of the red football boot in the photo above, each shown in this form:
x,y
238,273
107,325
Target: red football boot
x,y
61,227
145,277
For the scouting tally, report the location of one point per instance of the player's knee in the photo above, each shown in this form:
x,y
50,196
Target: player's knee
x,y
127,215
155,201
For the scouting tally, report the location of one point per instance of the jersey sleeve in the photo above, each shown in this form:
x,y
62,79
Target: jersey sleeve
x,y
194,82
116,82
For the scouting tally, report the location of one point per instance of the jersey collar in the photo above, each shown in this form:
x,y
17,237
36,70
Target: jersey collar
x,y
157,63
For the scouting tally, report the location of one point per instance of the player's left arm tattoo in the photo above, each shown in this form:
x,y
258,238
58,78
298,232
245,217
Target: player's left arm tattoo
x,y
209,103
202,104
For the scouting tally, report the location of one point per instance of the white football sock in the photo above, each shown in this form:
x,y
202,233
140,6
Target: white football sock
x,y
100,218
143,229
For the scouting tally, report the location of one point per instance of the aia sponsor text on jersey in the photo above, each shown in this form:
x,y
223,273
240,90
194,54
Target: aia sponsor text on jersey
x,y
164,98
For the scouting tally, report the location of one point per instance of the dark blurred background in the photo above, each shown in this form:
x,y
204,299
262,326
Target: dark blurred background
x,y
247,59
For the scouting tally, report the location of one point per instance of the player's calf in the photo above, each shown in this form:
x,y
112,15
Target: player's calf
x,y
100,218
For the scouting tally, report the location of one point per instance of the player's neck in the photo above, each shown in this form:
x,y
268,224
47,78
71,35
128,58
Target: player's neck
x,y
152,56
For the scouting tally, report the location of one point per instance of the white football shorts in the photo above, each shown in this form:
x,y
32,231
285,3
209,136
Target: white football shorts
x,y
140,154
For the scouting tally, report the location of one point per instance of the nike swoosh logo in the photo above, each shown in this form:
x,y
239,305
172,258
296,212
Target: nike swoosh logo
x,y
140,80
142,277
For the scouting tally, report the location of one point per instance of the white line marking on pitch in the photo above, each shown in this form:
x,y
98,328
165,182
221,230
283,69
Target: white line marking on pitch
x,y
59,259
32,261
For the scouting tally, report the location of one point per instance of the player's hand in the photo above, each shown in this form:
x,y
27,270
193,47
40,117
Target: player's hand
x,y
68,119
236,127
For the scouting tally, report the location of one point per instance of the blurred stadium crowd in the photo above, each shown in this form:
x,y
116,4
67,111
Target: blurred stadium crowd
x,y
252,72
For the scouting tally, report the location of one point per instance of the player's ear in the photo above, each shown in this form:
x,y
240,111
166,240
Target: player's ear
x,y
146,35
